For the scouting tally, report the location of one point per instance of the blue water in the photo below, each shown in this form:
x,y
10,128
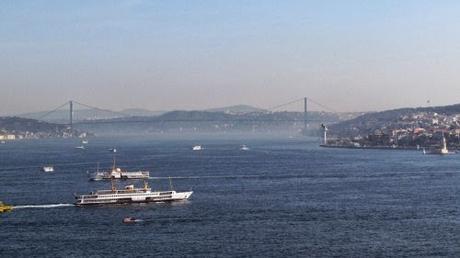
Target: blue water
x,y
284,197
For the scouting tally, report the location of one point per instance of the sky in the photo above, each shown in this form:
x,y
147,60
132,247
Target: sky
x,y
164,55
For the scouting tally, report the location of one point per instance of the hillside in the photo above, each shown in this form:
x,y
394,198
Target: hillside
x,y
428,118
210,122
237,109
62,116
141,112
206,116
31,128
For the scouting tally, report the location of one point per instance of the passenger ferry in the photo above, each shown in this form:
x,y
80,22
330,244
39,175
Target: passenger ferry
x,y
130,194
117,173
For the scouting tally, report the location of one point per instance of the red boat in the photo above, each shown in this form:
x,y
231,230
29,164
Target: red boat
x,y
129,220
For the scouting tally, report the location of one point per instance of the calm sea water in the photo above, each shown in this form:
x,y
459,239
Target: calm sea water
x,y
283,197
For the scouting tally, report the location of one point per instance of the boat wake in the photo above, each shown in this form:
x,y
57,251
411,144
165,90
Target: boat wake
x,y
205,177
43,206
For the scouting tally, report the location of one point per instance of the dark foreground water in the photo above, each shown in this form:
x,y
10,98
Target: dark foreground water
x,y
284,197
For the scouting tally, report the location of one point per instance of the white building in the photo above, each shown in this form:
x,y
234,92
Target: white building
x,y
7,137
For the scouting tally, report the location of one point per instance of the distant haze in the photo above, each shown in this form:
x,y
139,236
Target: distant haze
x,y
165,55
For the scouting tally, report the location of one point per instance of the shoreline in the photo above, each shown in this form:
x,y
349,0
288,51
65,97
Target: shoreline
x,y
371,147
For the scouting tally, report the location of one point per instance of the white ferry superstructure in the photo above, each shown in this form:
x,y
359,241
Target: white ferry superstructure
x,y
130,195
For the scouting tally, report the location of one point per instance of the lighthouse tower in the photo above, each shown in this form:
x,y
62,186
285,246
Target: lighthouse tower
x,y
444,149
324,133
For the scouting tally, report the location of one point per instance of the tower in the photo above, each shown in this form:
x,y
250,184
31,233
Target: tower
x,y
324,133
71,117
305,115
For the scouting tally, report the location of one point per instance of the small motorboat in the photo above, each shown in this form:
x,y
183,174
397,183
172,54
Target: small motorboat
x,y
48,169
197,148
129,220
113,150
80,147
84,142
5,207
244,148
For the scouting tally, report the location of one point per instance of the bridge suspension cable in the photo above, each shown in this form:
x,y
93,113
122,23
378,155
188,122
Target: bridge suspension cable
x,y
72,110
101,109
285,104
323,106
52,111
326,108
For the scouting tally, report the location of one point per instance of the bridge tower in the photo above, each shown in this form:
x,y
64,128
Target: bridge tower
x,y
305,115
71,117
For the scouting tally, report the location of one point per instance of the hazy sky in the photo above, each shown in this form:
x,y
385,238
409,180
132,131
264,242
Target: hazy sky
x,y
349,55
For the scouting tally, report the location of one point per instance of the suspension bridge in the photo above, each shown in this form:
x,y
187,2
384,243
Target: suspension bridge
x,y
97,115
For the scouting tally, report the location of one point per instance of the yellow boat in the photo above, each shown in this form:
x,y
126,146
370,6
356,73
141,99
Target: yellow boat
x,y
5,207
